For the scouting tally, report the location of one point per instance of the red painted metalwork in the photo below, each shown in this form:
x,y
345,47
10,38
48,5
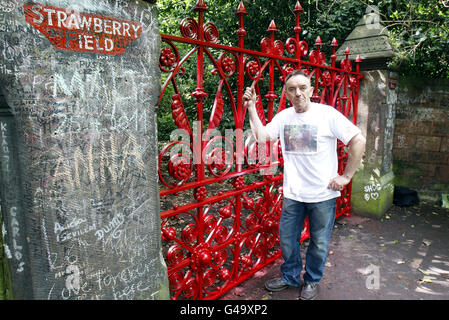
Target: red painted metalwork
x,y
222,224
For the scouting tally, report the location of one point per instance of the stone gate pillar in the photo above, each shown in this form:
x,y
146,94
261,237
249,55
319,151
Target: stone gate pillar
x,y
372,191
78,157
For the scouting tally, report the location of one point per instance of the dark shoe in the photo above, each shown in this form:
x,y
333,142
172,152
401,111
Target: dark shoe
x,y
309,291
276,284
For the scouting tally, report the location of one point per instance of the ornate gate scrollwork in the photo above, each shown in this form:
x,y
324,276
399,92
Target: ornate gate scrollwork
x,y
221,194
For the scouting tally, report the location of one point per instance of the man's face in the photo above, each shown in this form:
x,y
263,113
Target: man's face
x,y
298,92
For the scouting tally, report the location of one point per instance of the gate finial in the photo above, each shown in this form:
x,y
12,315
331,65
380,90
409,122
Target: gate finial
x,y
241,12
334,46
358,59
200,6
298,8
334,43
297,29
241,9
272,27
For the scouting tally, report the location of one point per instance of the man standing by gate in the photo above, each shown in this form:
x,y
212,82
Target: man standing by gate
x,y
308,132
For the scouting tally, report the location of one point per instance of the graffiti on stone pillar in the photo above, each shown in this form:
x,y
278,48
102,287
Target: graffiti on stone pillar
x,y
80,82
389,116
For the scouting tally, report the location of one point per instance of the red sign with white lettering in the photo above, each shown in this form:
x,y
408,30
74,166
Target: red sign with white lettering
x,y
77,31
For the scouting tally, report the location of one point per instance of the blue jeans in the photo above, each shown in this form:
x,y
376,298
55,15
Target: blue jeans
x,y
321,221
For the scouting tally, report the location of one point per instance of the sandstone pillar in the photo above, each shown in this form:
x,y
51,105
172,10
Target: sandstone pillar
x,y
79,195
372,191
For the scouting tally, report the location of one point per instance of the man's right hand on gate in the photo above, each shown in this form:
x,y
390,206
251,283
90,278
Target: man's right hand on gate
x,y
250,95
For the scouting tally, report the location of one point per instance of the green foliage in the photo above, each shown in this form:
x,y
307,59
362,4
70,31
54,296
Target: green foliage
x,y
419,32
5,277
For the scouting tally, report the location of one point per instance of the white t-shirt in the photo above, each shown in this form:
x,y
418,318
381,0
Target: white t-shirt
x,y
309,148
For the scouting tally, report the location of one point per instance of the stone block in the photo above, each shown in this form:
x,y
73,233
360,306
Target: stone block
x,y
438,157
372,195
426,169
421,127
406,126
401,126
418,156
414,169
444,144
442,172
428,143
440,128
404,141
415,92
420,113
400,154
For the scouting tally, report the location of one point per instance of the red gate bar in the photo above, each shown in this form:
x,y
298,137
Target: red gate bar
x,y
221,197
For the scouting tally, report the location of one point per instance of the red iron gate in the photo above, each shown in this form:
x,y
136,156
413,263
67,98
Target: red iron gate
x,y
221,197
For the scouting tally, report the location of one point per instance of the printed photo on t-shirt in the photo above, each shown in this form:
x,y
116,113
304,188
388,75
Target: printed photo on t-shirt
x,y
300,139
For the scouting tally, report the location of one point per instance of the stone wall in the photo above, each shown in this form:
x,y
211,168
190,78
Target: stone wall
x,y
421,138
78,158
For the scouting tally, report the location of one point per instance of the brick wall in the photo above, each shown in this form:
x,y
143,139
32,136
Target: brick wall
x,y
421,138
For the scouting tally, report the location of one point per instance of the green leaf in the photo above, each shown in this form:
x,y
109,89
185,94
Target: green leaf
x,y
423,272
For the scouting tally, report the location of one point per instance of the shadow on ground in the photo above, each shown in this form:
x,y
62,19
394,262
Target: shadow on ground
x,y
403,256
